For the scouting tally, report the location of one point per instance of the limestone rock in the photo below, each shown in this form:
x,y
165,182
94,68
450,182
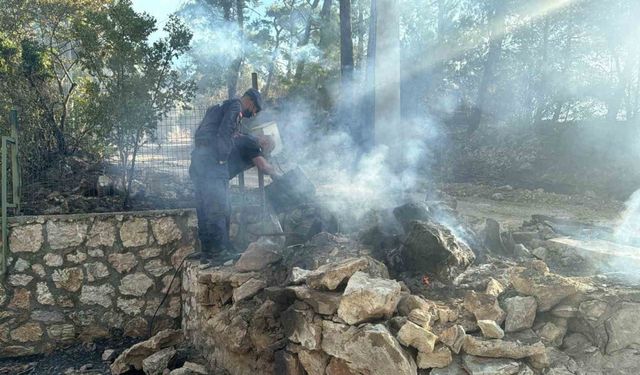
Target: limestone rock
x,y
3,294
43,295
298,275
27,333
102,233
540,253
454,368
63,234
420,317
20,280
95,253
136,327
69,279
453,337
258,256
96,271
325,303
314,362
62,332
593,310
413,335
179,255
21,299
548,289
439,358
330,276
134,232
484,307
165,230
130,306
521,313
500,348
287,363
190,368
432,248
77,257
21,265
231,329
490,329
97,295
123,262
150,252
157,267
494,288
157,362
133,357
301,327
248,289
135,284
366,298
410,302
26,238
552,333
53,260
108,355
38,269
489,366
370,348
623,327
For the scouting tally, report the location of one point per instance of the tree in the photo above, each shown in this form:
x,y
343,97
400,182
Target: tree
x,y
135,84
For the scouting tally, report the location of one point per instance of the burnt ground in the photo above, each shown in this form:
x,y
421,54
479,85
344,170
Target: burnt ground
x,y
76,359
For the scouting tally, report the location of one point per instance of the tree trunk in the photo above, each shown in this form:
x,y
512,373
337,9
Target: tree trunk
x,y
236,65
367,111
544,74
346,67
325,13
497,17
272,63
306,37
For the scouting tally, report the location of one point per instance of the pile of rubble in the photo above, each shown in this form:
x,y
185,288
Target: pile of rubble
x,y
330,308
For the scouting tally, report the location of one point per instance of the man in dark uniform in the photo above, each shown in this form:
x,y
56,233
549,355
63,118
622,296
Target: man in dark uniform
x,y
214,140
251,151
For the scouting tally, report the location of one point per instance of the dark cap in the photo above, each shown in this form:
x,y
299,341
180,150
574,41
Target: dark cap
x,y
255,96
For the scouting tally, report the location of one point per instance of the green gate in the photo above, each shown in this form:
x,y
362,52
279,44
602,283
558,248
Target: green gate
x,y
9,150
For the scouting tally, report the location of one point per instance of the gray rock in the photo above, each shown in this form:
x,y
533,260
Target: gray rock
x,y
453,337
432,248
69,279
521,313
157,362
410,302
21,265
157,267
43,295
369,348
47,316
298,275
490,329
501,348
165,230
521,251
108,355
102,233
409,212
123,262
301,327
623,327
53,260
484,307
314,362
258,256
489,366
135,284
325,303
77,257
97,295
415,336
130,306
62,332
26,238
492,237
548,289
20,280
150,252
96,271
494,287
454,368
540,252
64,234
420,317
134,232
248,289
366,298
330,276
439,358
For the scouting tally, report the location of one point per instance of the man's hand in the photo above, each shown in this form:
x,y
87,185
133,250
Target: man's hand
x,y
265,167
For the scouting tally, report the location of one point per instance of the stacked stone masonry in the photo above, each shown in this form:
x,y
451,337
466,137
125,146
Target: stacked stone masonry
x,y
82,277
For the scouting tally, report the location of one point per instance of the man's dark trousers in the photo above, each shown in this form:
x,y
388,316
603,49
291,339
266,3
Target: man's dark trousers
x,y
211,184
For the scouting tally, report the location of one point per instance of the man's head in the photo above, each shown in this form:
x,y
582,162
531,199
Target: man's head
x,y
267,144
251,103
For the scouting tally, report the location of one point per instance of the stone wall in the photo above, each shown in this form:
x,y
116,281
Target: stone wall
x,y
82,277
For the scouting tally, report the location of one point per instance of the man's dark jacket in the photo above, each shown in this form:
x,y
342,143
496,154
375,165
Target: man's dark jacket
x,y
217,128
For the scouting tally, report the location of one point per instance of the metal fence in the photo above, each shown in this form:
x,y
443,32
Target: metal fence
x,y
75,184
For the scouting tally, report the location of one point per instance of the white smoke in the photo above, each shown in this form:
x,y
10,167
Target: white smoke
x,y
628,230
